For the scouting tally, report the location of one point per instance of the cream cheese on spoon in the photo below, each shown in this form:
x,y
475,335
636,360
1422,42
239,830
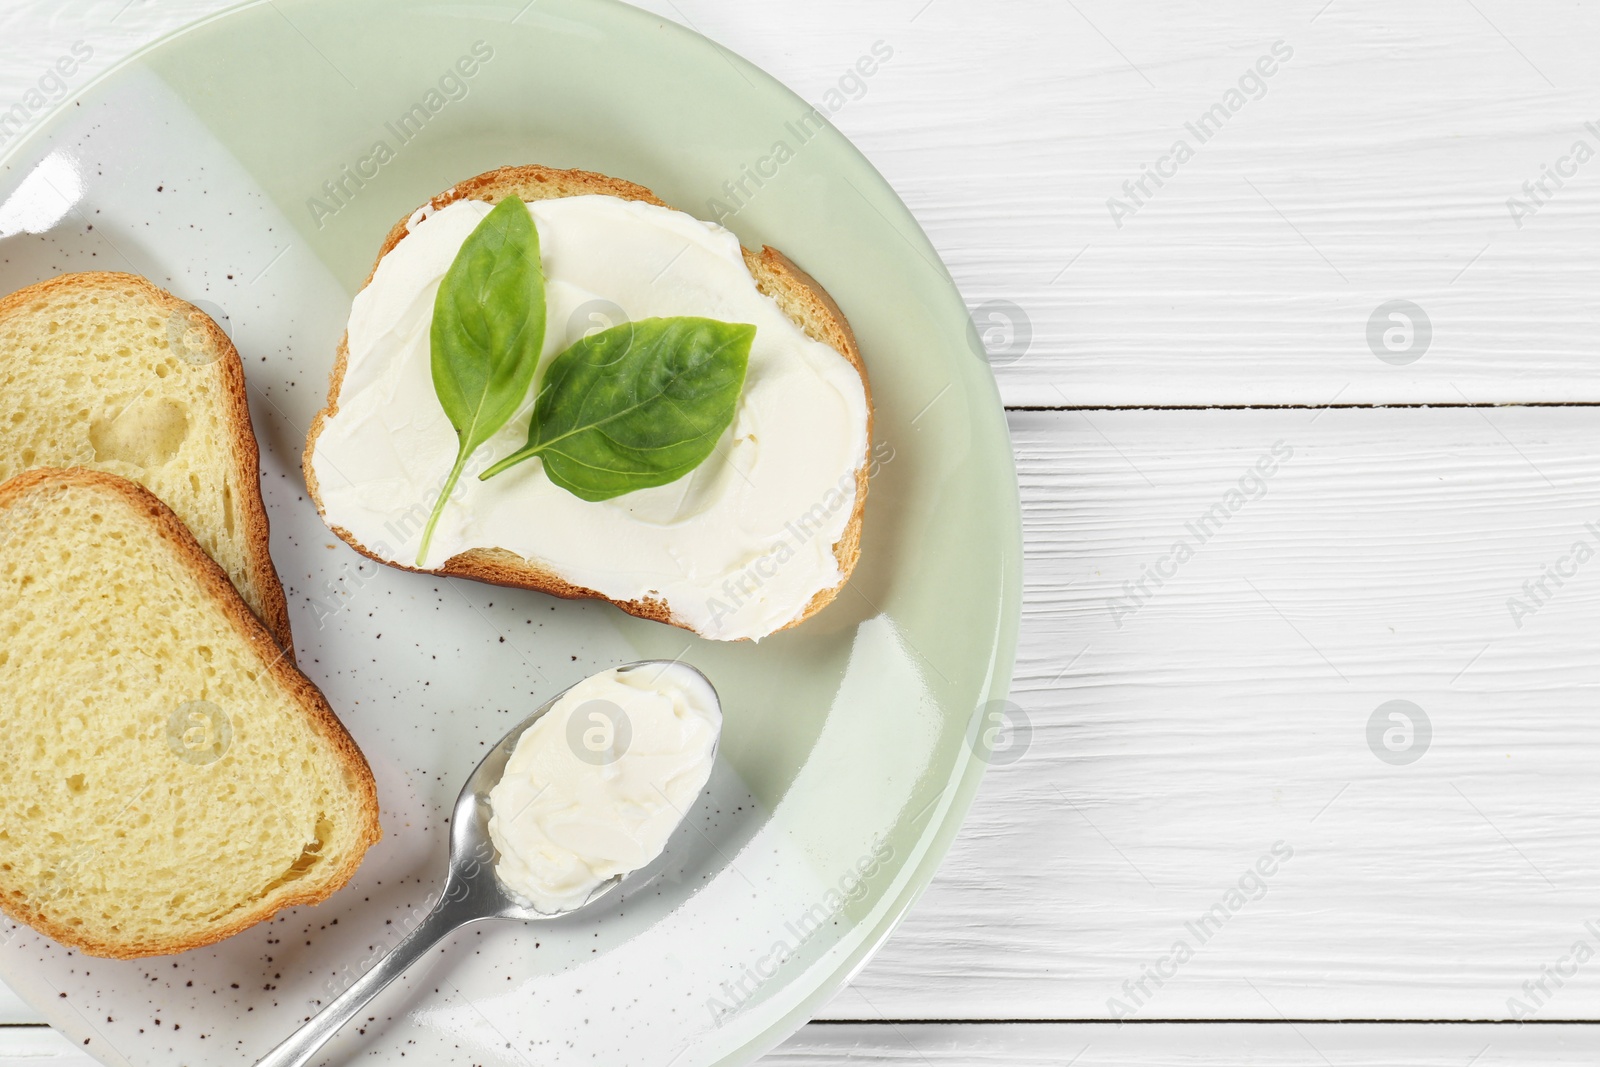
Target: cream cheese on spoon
x,y
737,548
596,786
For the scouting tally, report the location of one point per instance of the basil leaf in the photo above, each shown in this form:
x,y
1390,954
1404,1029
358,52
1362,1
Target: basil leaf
x,y
638,405
488,329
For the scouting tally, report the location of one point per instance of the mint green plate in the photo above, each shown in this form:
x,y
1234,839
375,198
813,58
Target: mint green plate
x,y
252,164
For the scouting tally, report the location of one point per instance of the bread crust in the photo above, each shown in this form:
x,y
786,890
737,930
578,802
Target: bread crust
x,y
242,446
220,589
805,302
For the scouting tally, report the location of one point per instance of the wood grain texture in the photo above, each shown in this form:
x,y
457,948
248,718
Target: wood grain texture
x,y
1230,712
1173,1045
1375,164
1090,1045
39,1046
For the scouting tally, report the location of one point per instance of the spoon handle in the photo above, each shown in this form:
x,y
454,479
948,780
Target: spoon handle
x,y
450,914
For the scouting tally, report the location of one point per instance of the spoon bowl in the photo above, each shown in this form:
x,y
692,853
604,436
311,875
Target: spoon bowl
x,y
472,892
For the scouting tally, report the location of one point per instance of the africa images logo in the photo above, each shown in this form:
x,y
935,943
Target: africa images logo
x,y
452,86
1251,85
49,89
1253,484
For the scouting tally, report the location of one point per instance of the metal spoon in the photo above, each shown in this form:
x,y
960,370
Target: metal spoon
x,y
471,894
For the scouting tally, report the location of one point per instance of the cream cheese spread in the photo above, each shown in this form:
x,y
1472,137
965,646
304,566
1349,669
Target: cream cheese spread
x,y
736,549
596,786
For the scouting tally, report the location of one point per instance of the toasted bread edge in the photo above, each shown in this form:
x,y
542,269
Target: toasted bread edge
x,y
243,447
775,275
220,589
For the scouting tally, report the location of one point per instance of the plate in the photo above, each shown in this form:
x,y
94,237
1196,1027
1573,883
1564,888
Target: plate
x,y
252,164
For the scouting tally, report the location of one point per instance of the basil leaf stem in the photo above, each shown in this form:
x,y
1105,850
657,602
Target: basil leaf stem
x,y
487,332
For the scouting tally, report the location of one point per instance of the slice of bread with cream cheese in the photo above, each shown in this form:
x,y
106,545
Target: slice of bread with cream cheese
x,y
758,538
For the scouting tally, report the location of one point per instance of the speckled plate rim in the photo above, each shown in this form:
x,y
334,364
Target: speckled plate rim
x,y
1002,661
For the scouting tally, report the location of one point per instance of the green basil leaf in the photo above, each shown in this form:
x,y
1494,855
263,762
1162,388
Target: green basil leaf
x,y
488,329
638,405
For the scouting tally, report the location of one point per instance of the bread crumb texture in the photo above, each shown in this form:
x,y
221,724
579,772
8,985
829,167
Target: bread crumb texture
x,y
166,783
108,372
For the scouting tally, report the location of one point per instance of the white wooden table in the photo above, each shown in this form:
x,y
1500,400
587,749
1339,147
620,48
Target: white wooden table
x,y
1190,709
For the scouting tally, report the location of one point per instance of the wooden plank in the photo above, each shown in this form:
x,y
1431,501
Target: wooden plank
x,y
1218,1044
1376,163
39,1046
1230,712
1090,1045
